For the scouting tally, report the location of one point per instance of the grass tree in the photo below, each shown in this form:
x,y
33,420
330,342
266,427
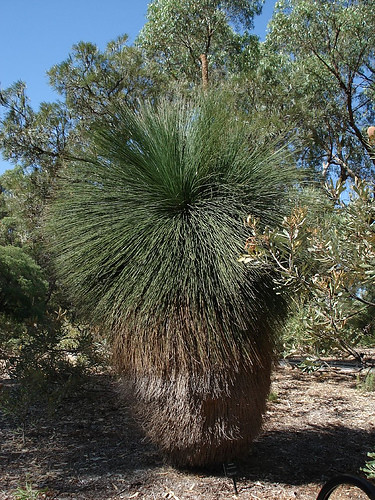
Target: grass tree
x,y
147,234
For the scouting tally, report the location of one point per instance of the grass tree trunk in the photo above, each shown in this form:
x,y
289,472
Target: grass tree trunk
x,y
208,417
204,69
147,235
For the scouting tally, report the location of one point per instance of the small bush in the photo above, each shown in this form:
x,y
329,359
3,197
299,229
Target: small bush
x,y
369,468
367,383
23,288
28,492
44,361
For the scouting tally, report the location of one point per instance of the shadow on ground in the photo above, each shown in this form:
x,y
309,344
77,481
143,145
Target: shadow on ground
x,y
90,438
308,456
92,443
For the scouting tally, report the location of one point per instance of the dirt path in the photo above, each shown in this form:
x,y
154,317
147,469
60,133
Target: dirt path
x,y
317,425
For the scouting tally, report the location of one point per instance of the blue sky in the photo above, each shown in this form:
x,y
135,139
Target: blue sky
x,y
36,34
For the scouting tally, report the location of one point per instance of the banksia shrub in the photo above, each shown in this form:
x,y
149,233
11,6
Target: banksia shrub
x,y
147,233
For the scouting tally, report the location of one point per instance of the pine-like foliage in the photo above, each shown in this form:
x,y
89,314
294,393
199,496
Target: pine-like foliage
x,y
147,235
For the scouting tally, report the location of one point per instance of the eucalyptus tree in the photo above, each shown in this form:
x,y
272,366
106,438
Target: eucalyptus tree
x,y
327,79
146,235
187,39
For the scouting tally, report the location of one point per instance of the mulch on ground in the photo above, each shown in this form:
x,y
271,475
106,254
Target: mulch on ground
x,y
317,425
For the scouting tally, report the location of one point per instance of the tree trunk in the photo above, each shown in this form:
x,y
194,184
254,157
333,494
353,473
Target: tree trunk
x,y
204,65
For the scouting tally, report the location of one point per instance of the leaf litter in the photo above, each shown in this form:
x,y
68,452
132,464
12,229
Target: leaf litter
x,y
317,425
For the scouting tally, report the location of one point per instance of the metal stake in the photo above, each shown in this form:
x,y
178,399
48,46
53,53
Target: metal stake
x,y
230,470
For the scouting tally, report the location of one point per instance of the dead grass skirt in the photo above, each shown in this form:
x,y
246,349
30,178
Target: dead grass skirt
x,y
200,420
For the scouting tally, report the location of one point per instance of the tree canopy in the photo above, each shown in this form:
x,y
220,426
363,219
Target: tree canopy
x,y
185,38
329,56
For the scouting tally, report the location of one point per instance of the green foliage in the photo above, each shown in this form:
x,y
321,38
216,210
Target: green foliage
x,y
178,32
309,365
366,383
41,346
90,79
34,138
45,360
23,197
22,286
273,397
328,264
369,469
154,224
325,82
28,492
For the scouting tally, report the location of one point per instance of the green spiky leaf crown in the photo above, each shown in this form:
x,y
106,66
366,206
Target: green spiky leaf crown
x,y
147,233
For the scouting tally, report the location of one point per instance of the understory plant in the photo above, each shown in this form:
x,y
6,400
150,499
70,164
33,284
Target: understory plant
x,y
43,353
44,361
146,234
369,468
29,492
325,259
